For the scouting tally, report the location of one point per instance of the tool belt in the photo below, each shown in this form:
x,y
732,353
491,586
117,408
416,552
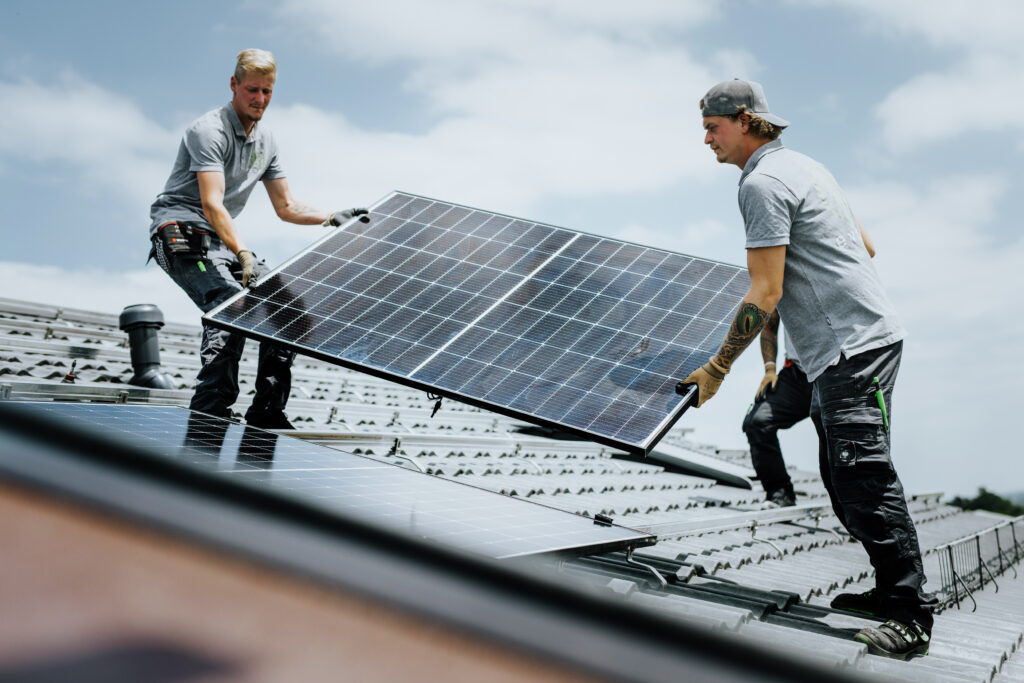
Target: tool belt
x,y
182,239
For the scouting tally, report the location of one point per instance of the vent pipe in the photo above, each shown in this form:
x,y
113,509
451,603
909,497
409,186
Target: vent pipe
x,y
141,322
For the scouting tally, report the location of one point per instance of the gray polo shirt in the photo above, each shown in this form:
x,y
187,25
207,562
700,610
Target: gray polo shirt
x,y
216,141
833,303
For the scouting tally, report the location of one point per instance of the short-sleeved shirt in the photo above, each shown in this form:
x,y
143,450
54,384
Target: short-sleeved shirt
x,y
216,141
833,302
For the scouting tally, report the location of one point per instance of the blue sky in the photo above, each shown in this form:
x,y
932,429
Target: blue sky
x,y
579,113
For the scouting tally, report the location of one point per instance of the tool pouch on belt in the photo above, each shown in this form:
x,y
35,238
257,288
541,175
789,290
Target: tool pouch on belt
x,y
184,240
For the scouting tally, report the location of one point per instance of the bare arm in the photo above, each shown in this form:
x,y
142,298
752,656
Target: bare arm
x,y
866,238
290,209
211,192
767,266
770,338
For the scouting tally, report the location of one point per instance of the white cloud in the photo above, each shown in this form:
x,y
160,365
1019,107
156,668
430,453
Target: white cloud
x,y
975,94
93,289
465,33
981,25
972,97
957,290
103,135
536,100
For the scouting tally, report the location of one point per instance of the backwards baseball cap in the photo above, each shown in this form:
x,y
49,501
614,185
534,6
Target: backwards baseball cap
x,y
727,97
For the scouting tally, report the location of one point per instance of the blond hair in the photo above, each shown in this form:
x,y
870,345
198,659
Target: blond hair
x,y
254,60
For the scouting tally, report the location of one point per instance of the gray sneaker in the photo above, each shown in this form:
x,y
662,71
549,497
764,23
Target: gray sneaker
x,y
896,640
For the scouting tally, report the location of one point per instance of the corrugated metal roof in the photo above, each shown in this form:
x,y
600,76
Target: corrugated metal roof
x,y
728,580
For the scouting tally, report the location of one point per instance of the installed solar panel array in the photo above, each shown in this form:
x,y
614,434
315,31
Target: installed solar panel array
x,y
354,486
553,326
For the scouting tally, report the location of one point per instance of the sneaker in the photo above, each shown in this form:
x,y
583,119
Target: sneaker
x,y
862,603
269,421
896,640
782,497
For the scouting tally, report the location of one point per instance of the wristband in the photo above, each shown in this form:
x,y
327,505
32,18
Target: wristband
x,y
718,368
771,363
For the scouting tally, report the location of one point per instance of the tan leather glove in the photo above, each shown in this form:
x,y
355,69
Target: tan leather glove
x,y
768,383
248,263
708,378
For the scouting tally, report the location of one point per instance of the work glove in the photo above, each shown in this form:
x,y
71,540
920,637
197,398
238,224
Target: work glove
x,y
768,383
708,378
247,260
339,217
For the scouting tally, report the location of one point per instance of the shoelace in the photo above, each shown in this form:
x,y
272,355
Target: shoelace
x,y
905,633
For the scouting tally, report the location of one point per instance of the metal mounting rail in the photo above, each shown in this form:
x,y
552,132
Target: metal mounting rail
x,y
740,520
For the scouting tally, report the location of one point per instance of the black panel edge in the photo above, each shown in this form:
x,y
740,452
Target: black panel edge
x,y
624,642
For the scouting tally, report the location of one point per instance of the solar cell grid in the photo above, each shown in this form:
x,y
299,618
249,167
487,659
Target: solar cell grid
x,y
354,486
550,325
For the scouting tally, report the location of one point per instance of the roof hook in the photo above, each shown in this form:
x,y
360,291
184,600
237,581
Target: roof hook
x,y
753,535
653,570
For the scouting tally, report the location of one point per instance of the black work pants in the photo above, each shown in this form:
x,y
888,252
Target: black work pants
x,y
866,494
780,408
220,351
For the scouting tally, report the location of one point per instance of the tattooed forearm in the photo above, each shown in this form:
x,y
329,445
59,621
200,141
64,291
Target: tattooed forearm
x,y
770,338
299,207
746,325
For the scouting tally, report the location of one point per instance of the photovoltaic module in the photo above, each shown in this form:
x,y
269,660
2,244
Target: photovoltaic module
x,y
549,325
351,486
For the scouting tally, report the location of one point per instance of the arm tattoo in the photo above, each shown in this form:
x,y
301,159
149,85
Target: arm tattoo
x,y
746,325
770,338
299,207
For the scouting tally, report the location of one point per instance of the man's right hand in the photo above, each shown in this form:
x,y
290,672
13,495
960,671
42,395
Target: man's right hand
x,y
248,263
768,383
708,378
339,217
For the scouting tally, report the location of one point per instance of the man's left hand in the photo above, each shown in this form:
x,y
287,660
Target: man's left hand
x,y
340,217
768,383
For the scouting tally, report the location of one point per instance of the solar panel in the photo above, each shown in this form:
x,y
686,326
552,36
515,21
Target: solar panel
x,y
376,492
553,326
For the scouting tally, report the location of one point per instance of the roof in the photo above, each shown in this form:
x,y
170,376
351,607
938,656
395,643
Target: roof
x,y
724,562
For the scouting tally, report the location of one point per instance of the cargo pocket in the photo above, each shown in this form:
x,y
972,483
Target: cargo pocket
x,y
858,449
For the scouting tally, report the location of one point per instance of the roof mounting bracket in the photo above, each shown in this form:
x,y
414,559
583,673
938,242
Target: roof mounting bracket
x,y
818,527
5,392
753,536
636,563
395,447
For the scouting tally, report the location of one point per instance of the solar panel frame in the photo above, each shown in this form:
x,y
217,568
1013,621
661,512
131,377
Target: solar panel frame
x,y
444,337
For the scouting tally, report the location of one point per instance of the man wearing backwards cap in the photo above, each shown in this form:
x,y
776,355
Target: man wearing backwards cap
x,y
806,258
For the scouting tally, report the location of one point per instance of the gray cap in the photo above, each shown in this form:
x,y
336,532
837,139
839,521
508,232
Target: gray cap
x,y
725,99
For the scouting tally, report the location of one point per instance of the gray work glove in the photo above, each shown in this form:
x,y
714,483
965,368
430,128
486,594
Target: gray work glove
x,y
248,262
339,217
708,378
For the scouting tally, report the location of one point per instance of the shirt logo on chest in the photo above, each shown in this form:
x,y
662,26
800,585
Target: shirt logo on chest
x,y
257,158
